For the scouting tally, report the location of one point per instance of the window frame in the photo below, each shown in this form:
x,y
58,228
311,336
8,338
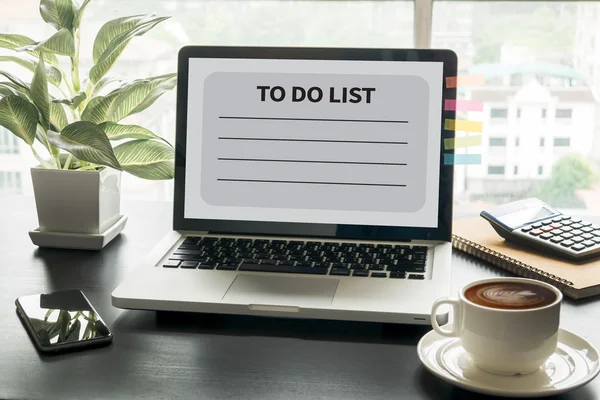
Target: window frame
x,y
503,173
497,141
563,142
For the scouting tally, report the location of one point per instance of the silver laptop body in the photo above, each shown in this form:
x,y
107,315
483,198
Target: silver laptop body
x,y
309,183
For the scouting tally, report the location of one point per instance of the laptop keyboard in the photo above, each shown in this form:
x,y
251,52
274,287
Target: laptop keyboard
x,y
300,257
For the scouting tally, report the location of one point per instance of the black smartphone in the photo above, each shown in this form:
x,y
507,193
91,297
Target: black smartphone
x,y
62,321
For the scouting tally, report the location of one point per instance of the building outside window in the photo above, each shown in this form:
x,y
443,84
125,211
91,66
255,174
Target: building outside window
x,y
9,143
10,182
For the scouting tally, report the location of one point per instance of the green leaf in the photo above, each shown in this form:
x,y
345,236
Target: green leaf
x,y
111,30
63,322
102,83
54,75
146,159
114,36
74,330
74,101
88,330
16,81
41,137
87,142
58,117
61,42
41,325
19,116
48,313
14,42
120,132
58,13
128,99
6,91
9,88
79,9
101,329
39,90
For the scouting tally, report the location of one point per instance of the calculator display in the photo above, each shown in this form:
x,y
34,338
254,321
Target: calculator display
x,y
521,217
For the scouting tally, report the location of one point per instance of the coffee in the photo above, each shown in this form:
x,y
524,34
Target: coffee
x,y
510,295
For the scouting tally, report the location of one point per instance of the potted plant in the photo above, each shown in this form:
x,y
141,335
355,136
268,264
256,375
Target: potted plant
x,y
75,121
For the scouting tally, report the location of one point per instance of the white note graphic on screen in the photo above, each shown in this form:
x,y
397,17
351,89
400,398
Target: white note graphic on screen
x,y
315,155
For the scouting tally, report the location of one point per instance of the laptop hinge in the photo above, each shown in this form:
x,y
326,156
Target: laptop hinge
x,y
315,238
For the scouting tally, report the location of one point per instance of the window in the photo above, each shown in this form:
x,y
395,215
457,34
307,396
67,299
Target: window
x,y
537,53
497,142
540,170
499,113
562,142
564,113
496,170
9,143
518,113
516,170
532,53
10,182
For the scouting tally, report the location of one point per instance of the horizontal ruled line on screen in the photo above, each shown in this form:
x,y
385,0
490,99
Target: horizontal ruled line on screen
x,y
311,183
308,161
316,119
311,140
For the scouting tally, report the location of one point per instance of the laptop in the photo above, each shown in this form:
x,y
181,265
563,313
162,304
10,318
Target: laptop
x,y
309,183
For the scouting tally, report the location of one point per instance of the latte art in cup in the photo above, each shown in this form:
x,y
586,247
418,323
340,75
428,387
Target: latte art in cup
x,y
510,295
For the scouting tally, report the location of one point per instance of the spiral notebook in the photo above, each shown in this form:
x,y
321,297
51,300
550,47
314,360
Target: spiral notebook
x,y
476,237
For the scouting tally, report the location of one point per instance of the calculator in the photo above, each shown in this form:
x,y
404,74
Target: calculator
x,y
533,223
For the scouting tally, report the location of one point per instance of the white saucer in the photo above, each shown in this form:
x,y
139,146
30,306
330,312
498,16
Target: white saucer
x,y
574,364
79,241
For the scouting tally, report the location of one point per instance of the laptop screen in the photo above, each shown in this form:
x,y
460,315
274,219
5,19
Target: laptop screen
x,y
349,142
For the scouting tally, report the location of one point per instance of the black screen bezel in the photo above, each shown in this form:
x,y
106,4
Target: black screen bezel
x,y
443,232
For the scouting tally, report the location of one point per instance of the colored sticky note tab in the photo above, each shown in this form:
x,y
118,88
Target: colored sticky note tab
x,y
461,142
462,125
464,159
463,105
464,80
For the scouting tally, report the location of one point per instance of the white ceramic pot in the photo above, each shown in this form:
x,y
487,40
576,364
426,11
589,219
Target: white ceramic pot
x,y
71,201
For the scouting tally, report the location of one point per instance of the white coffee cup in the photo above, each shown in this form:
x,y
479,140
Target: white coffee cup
x,y
499,340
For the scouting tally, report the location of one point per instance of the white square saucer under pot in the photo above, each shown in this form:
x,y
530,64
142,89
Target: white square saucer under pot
x,y
573,364
81,241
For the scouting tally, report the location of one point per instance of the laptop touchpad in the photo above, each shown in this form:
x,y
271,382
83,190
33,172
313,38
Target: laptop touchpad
x,y
281,290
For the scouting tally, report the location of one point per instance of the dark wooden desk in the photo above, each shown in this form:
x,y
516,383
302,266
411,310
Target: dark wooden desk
x,y
174,356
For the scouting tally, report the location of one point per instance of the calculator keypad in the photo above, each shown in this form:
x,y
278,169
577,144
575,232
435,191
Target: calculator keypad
x,y
572,233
